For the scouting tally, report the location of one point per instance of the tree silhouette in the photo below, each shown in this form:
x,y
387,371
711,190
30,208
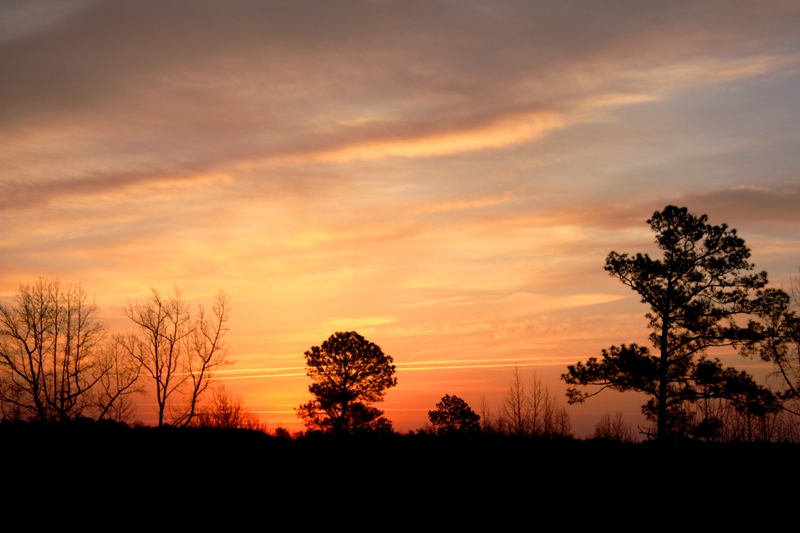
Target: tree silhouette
x,y
613,429
694,292
179,353
453,416
348,372
776,338
54,363
515,412
227,411
532,411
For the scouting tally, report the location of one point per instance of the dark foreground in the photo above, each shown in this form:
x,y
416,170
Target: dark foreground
x,y
115,465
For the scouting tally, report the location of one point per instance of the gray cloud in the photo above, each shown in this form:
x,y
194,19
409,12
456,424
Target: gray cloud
x,y
136,93
748,204
454,59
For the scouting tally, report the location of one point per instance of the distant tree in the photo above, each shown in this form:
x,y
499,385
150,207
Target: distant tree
x,y
178,352
282,433
489,423
694,292
548,419
54,362
225,410
613,429
453,416
532,411
562,427
515,412
348,372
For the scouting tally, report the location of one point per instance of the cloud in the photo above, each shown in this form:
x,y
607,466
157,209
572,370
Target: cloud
x,y
742,203
502,133
747,204
22,17
195,88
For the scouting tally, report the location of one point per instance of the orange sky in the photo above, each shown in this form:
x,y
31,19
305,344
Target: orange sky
x,y
445,178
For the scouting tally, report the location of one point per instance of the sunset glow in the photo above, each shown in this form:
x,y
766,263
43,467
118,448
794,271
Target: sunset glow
x,y
444,178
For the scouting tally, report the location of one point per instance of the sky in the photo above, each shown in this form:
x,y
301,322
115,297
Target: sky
x,y
446,178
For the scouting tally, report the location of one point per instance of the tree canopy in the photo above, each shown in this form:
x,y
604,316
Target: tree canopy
x,y
348,372
453,416
695,292
776,338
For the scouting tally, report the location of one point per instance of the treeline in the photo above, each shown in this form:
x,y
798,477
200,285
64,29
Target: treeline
x,y
530,410
58,363
701,294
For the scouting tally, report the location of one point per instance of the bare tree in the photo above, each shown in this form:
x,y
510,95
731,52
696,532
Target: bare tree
x,y
532,410
224,410
163,323
548,419
615,428
205,350
118,383
52,362
563,424
178,353
543,410
515,412
489,423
